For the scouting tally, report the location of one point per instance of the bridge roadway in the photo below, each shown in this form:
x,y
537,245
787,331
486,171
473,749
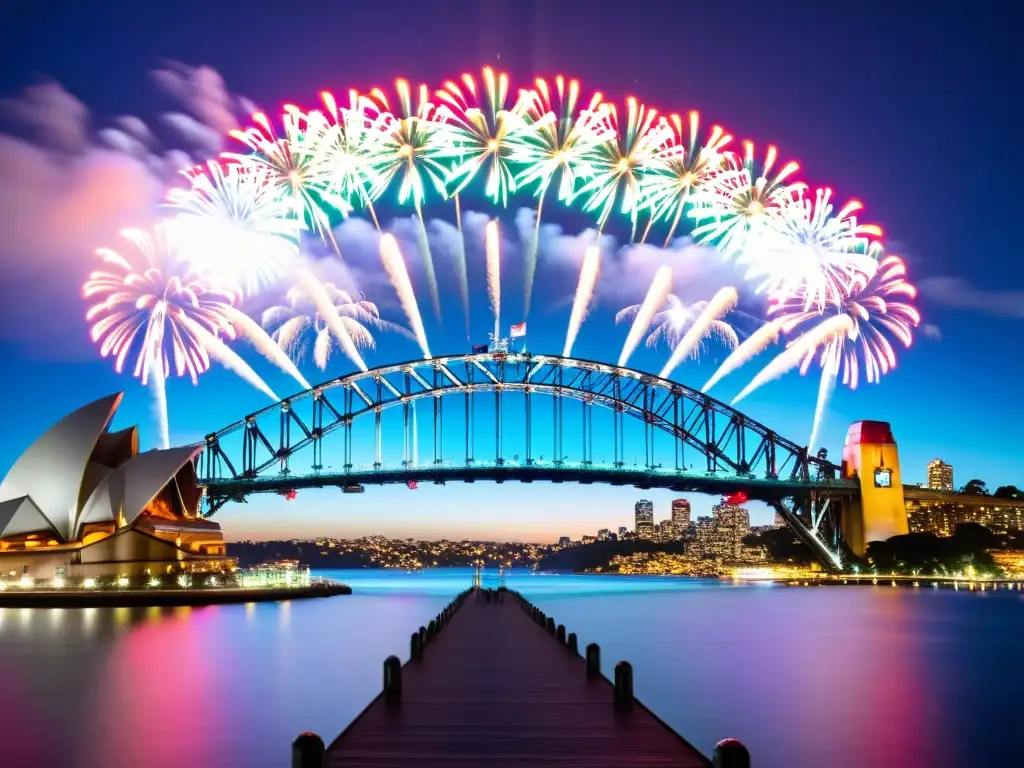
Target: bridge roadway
x,y
761,489
496,688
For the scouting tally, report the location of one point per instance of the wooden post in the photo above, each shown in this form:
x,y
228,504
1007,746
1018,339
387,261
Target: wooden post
x,y
549,625
730,753
573,643
392,680
308,751
593,660
623,685
423,638
560,634
415,650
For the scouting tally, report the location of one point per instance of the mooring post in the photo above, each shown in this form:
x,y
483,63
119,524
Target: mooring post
x,y
729,753
549,625
423,638
593,660
308,751
415,650
623,685
560,634
392,680
573,643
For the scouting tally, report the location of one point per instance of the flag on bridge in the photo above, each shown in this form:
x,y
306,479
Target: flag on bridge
x,y
518,330
412,485
479,349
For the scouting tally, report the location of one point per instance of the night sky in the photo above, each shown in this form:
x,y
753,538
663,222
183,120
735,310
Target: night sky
x,y
909,112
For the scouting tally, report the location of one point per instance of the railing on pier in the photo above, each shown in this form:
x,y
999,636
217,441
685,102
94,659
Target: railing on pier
x,y
505,684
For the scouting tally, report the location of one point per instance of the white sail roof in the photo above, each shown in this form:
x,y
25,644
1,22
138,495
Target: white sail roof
x,y
52,469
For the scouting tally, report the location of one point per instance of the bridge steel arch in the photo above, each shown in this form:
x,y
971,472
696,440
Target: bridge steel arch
x,y
737,452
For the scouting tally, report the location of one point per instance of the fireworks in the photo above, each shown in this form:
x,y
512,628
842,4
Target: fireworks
x,y
644,314
708,320
621,160
289,169
482,133
680,168
301,328
492,253
232,223
851,337
156,310
412,149
238,228
394,264
811,252
589,271
560,141
736,206
346,139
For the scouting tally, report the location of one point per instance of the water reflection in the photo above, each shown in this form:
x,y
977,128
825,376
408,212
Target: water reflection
x,y
838,677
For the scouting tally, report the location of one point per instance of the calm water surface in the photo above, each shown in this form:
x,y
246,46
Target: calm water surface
x,y
831,677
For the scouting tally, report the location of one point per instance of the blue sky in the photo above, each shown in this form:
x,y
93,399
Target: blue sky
x,y
904,112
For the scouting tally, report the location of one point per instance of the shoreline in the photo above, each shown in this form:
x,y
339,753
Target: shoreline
x,y
144,598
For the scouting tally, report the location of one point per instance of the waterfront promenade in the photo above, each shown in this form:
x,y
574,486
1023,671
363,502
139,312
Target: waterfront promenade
x,y
496,683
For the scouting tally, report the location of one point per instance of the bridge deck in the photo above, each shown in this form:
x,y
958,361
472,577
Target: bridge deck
x,y
494,688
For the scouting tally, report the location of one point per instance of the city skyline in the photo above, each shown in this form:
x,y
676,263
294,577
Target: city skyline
x,y
45,337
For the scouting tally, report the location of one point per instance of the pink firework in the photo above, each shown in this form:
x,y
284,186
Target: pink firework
x,y
154,309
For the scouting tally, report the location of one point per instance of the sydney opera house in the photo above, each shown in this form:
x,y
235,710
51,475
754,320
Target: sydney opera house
x,y
82,503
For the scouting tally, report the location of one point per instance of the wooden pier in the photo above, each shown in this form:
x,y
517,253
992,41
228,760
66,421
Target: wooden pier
x,y
493,681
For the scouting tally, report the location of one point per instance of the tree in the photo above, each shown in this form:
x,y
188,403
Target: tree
x,y
975,488
1008,492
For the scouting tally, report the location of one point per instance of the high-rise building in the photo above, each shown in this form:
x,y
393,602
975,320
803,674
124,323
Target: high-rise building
x,y
623,532
732,523
602,534
564,541
940,475
680,516
644,519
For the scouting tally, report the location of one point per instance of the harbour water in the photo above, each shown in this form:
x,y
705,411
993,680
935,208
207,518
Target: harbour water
x,y
843,677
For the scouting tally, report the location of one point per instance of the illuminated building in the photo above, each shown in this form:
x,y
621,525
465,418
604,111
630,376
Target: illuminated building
x,y
779,521
940,475
666,531
942,517
82,502
731,524
588,539
721,535
644,519
603,534
564,541
623,532
681,516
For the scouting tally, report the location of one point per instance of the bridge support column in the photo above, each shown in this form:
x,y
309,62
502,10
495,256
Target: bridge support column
x,y
870,456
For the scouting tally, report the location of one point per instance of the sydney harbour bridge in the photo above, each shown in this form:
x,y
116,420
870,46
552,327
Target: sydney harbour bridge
x,y
503,416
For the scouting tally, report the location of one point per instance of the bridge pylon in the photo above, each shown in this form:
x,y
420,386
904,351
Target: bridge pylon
x,y
870,457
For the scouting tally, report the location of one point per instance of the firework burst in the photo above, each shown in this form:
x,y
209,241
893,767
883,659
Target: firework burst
x,y
153,309
483,132
737,206
850,340
561,141
232,223
811,252
289,167
300,328
684,165
413,149
346,140
622,160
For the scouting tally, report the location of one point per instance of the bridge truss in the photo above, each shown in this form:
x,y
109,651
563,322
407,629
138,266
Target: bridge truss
x,y
261,453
